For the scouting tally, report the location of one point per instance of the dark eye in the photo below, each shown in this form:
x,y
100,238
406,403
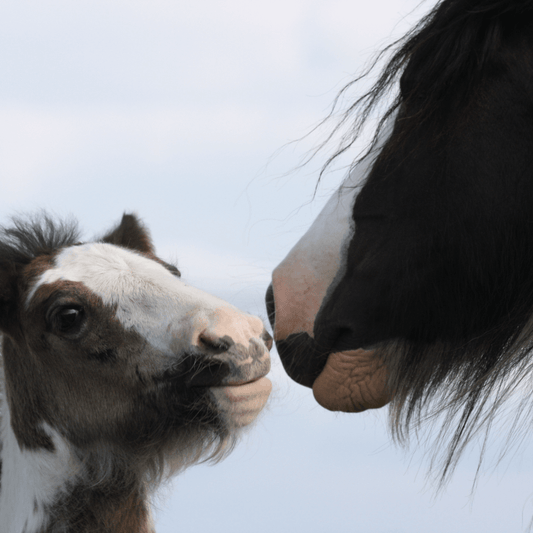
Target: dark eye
x,y
68,319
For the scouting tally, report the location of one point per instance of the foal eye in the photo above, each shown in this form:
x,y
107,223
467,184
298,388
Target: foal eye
x,y
68,319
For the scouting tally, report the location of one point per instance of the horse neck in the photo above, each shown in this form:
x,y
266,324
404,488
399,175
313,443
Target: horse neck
x,y
47,492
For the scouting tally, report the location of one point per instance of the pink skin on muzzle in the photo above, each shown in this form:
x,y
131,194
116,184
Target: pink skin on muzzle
x,y
351,381
354,380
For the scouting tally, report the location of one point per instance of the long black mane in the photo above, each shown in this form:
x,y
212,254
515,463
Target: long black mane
x,y
437,65
460,367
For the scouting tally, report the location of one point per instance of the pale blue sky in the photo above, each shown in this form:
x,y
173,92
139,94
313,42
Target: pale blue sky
x,y
178,110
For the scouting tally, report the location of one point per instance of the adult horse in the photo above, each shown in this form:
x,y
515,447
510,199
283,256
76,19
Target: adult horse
x,y
414,285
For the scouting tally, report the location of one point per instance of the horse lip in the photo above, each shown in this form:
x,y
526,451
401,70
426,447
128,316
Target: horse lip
x,y
304,361
301,358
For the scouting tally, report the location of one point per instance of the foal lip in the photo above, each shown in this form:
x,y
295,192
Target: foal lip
x,y
237,383
241,382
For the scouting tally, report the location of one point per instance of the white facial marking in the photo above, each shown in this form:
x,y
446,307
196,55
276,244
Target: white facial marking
x,y
31,480
302,280
163,309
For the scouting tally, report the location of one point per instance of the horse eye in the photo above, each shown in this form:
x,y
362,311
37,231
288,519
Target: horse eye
x,y
68,319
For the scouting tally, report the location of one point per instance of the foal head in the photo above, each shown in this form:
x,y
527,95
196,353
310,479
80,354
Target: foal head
x,y
107,349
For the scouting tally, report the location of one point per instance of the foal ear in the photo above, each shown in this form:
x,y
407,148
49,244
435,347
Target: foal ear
x,y
131,233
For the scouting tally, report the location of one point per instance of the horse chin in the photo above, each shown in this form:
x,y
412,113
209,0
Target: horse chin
x,y
239,404
352,381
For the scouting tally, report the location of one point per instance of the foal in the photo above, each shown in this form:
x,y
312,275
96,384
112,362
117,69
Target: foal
x,y
116,374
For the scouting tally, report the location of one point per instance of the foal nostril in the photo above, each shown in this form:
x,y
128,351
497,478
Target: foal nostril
x,y
270,305
267,339
216,343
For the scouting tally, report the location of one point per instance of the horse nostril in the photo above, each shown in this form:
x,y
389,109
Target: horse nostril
x,y
267,339
216,343
270,305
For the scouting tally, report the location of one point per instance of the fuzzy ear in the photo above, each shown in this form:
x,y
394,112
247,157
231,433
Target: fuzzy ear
x,y
131,233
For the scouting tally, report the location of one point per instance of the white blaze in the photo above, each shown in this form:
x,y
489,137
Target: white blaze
x,y
318,260
149,299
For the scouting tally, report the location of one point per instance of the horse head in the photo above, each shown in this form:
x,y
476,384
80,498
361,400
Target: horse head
x,y
415,283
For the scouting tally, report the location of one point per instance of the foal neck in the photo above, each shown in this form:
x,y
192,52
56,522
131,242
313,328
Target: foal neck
x,y
45,491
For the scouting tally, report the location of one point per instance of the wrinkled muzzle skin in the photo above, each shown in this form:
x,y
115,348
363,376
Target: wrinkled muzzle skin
x,y
317,351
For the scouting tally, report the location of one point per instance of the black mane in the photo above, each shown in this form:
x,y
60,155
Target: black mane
x,y
31,237
436,66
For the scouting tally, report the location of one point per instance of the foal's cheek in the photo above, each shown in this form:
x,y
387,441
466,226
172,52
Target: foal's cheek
x,y
241,404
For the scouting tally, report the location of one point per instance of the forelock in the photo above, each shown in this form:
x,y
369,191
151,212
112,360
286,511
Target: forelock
x,y
30,237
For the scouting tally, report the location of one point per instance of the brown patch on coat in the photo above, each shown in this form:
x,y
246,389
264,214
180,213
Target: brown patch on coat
x,y
37,268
